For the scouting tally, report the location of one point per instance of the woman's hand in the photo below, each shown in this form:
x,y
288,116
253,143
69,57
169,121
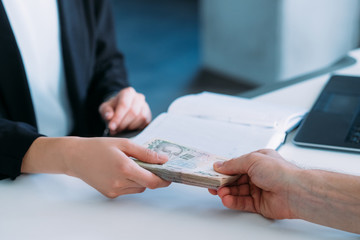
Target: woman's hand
x,y
128,110
103,163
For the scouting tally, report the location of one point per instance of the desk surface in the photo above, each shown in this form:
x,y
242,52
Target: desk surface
x,y
46,206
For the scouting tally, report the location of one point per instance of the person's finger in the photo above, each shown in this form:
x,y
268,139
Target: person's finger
x,y
239,203
131,190
142,120
212,191
124,123
145,178
133,113
133,172
129,118
106,110
128,183
240,190
244,179
141,153
123,104
238,165
256,194
123,191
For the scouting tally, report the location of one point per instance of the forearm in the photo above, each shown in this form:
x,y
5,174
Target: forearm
x,y
326,198
48,155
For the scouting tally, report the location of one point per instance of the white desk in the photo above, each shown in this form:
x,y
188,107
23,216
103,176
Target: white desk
x,y
59,207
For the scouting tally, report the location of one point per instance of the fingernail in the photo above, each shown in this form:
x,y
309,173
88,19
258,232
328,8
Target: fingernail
x,y
107,115
218,164
112,126
163,157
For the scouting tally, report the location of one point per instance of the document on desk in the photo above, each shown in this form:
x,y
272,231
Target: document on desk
x,y
222,125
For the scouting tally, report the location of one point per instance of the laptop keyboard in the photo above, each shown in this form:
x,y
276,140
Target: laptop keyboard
x,y
354,134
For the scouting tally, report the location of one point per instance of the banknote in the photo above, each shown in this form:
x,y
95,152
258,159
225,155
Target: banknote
x,y
186,165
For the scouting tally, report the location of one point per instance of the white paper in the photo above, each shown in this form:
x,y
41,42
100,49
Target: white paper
x,y
222,125
219,138
236,110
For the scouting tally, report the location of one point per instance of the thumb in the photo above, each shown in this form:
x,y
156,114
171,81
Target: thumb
x,y
143,154
234,166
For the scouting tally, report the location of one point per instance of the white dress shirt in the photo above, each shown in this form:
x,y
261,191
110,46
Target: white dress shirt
x,y
36,27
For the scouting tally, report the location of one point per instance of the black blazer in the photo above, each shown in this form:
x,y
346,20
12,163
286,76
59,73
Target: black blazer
x,y
94,69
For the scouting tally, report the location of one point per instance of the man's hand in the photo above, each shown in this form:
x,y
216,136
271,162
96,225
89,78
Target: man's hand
x,y
103,163
277,189
263,187
127,110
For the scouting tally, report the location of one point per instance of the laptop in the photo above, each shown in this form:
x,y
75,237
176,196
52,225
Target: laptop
x,y
334,120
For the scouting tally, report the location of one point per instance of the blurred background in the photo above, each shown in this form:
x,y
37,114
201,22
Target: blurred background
x,y
179,47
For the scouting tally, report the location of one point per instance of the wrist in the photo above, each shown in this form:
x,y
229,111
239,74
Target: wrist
x,y
296,191
307,193
48,155
69,154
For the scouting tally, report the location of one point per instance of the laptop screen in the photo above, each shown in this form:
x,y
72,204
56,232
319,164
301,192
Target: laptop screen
x,y
338,103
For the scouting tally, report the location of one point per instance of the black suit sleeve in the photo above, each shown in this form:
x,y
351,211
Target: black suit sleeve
x,y
109,75
16,138
90,50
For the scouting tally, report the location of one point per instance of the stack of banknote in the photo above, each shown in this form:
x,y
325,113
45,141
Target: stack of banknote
x,y
186,165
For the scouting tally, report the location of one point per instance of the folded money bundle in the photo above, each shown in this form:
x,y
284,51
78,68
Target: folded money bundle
x,y
187,166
